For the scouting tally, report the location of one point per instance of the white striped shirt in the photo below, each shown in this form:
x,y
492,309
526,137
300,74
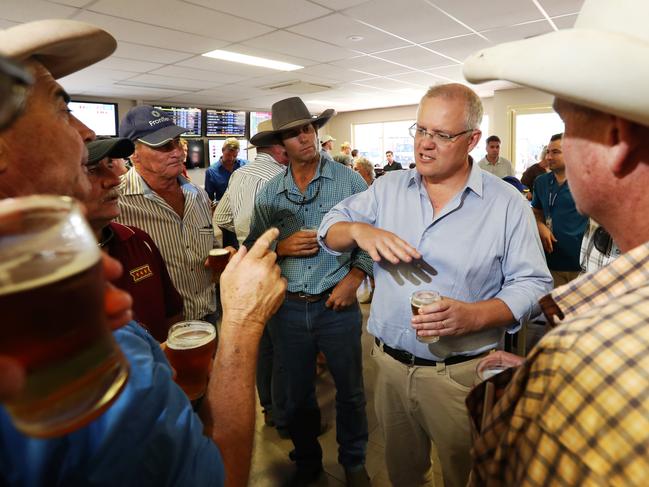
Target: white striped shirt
x,y
234,211
183,242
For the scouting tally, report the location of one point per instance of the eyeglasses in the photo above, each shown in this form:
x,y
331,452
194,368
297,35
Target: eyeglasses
x,y
437,136
304,201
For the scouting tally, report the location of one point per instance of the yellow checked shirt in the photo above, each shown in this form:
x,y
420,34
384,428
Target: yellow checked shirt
x,y
577,411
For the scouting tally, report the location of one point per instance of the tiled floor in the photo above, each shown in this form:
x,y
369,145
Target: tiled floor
x,y
271,466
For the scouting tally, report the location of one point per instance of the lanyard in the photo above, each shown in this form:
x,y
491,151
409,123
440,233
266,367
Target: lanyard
x,y
552,197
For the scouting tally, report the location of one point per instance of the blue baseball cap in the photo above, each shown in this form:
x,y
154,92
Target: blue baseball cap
x,y
150,126
515,183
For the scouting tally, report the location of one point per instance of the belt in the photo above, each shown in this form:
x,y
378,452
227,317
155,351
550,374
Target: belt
x,y
409,359
308,298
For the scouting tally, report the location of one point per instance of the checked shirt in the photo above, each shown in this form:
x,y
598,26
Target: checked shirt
x,y
577,411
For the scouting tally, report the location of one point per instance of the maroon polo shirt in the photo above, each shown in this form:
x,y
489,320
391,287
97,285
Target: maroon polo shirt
x,y
145,277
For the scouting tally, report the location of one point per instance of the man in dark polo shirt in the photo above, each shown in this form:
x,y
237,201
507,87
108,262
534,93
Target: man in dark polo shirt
x,y
156,303
561,227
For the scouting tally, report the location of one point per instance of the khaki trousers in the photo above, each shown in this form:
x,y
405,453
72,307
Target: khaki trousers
x,y
420,405
563,277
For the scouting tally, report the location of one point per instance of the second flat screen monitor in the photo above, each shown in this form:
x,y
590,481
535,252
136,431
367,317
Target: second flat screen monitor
x,y
189,118
225,123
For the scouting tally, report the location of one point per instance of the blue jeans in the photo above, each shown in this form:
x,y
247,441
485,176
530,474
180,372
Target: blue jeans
x,y
270,381
299,330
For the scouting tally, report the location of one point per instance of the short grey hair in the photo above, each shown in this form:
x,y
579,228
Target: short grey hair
x,y
455,91
365,163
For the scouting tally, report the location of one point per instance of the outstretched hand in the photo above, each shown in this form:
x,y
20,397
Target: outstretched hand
x,y
381,244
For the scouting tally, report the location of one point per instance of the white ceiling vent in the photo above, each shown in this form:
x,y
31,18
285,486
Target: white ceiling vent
x,y
296,86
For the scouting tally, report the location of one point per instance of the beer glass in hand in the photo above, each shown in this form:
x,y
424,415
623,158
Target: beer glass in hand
x,y
190,348
217,259
53,319
419,299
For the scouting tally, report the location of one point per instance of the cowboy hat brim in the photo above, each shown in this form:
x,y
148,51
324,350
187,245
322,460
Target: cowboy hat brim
x,y
274,136
62,46
568,64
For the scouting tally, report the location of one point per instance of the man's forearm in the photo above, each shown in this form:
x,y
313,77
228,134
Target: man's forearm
x,y
538,216
229,410
493,313
339,237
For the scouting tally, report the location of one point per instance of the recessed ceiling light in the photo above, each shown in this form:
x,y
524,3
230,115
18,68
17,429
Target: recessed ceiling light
x,y
235,57
355,38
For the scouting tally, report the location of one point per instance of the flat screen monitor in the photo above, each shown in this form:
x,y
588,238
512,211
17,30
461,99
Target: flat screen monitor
x,y
225,123
256,118
189,118
100,117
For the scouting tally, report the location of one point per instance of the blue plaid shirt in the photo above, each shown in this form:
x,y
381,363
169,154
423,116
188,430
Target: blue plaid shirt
x,y
279,204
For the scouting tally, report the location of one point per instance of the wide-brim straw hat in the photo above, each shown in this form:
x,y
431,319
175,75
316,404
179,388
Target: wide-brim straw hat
x,y
601,63
288,114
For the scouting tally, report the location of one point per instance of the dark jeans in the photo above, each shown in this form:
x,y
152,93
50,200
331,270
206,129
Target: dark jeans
x,y
299,330
270,381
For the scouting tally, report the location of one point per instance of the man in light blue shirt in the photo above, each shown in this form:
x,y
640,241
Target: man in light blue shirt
x,y
467,235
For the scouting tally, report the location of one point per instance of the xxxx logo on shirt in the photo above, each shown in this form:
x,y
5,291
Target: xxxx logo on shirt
x,y
140,273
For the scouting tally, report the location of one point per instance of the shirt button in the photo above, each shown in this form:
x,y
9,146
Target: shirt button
x,y
309,267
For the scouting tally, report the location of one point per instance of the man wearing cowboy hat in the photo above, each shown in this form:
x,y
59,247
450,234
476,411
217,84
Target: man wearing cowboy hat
x,y
488,270
320,311
327,143
234,213
150,435
575,412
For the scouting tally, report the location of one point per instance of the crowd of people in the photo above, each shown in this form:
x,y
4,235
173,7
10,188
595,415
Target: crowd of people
x,y
309,231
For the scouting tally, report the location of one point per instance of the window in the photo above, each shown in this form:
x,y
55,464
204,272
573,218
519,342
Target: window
x,y
532,127
373,139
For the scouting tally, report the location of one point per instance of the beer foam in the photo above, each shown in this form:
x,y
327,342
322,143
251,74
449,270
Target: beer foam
x,y
185,339
218,252
49,251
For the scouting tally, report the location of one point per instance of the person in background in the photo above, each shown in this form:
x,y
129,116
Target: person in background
x,y
536,169
327,143
346,149
365,168
150,434
233,214
561,226
354,153
155,197
492,162
156,303
487,290
597,248
575,410
390,163
218,174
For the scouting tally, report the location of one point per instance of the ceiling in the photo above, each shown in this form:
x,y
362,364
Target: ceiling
x,y
366,53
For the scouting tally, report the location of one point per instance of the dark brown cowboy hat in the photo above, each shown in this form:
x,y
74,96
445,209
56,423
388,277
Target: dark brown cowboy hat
x,y
288,114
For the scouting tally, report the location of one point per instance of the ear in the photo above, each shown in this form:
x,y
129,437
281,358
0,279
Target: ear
x,y
624,138
475,138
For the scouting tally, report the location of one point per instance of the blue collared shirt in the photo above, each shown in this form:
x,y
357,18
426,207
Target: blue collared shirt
x,y
150,436
482,245
217,177
568,225
278,205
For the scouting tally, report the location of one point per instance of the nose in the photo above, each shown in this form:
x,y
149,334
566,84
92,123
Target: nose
x,y
85,132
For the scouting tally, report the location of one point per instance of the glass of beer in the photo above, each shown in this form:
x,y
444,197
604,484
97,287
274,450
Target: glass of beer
x,y
53,319
217,259
419,299
495,363
190,348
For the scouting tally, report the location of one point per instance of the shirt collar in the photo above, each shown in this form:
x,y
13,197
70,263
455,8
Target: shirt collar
x,y
474,181
323,170
134,184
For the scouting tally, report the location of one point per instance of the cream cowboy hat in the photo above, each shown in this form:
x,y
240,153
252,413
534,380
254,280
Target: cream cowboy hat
x,y
287,114
601,63
62,46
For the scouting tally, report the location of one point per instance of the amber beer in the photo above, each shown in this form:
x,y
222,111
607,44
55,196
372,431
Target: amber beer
x,y
53,320
217,260
419,299
190,348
